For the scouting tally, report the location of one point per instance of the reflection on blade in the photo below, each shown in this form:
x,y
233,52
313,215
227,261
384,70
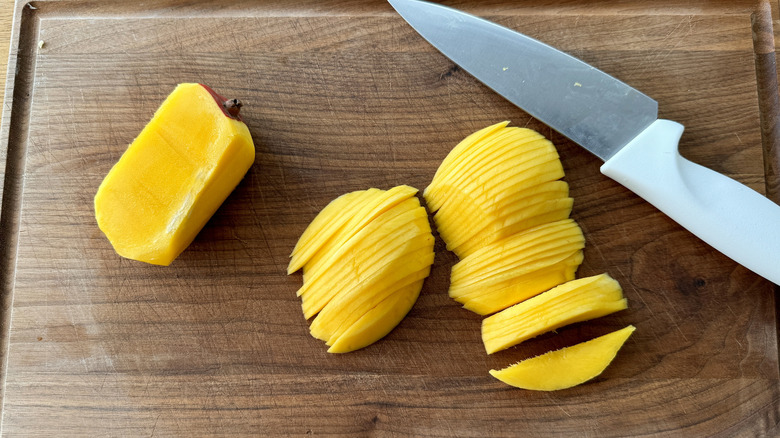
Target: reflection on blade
x,y
581,102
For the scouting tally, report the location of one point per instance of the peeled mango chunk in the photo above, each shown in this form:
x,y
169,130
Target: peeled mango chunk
x,y
574,301
364,259
567,367
174,175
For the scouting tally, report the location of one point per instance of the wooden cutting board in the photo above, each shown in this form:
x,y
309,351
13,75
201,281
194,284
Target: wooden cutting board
x,y
342,96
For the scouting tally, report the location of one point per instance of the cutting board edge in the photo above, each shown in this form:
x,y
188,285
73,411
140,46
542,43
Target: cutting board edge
x,y
13,133
18,88
768,105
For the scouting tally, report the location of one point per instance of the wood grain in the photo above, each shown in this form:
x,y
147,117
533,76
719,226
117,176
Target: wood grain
x,y
6,17
341,96
768,98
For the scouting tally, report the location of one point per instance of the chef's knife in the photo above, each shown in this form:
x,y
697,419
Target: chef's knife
x,y
613,121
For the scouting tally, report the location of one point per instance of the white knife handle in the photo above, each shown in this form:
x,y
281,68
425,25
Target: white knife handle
x,y
733,218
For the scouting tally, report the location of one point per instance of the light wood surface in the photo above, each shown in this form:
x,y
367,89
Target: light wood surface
x,y
6,18
342,96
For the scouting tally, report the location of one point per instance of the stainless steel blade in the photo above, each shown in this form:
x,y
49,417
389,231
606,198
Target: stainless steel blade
x,y
581,102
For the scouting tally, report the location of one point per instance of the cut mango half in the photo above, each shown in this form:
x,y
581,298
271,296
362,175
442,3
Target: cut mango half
x,y
174,175
567,367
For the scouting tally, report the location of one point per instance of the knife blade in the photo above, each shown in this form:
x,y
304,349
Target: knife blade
x,y
615,122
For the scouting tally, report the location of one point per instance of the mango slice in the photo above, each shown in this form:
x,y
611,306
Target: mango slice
x,y
574,301
374,203
453,160
567,367
378,321
364,259
368,253
344,309
325,225
497,182
174,175
540,204
518,267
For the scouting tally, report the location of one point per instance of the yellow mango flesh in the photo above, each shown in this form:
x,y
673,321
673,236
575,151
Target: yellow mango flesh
x,y
492,161
502,162
374,204
500,206
325,225
529,217
574,301
451,161
567,367
518,267
524,287
173,176
495,183
372,249
494,214
538,239
517,288
378,321
342,310
467,226
364,259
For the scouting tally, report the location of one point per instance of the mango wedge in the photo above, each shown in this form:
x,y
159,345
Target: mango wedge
x,y
364,259
575,301
174,175
567,367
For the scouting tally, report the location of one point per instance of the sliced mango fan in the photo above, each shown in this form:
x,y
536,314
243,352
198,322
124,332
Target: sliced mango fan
x,y
364,259
499,204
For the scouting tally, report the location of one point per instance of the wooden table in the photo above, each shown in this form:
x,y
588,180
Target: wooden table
x,y
342,95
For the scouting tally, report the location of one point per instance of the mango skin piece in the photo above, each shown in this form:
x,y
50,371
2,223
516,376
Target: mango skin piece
x,y
567,367
174,175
